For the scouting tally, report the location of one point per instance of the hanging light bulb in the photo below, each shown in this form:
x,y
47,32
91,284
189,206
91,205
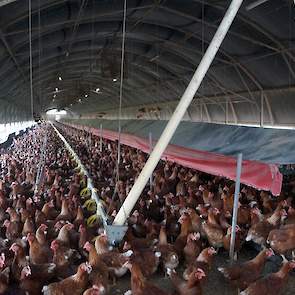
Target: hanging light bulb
x,y
114,79
60,78
56,89
86,95
97,90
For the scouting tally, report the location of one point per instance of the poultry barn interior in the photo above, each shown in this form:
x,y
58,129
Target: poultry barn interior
x,y
147,147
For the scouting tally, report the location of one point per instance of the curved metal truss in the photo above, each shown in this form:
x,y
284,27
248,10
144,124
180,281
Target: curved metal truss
x,y
251,80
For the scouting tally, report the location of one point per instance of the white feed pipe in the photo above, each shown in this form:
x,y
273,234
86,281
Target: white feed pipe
x,y
178,114
100,210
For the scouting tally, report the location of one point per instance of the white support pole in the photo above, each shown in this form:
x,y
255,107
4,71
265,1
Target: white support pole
x,y
151,149
100,143
178,114
236,207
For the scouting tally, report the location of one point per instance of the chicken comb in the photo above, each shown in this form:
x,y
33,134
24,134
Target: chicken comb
x,y
53,244
13,246
212,251
292,263
269,252
95,287
198,274
87,246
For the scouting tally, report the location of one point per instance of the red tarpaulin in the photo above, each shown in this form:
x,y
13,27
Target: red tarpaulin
x,y
255,174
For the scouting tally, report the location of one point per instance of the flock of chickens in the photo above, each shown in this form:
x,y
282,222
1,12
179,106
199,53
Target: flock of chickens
x,y
180,223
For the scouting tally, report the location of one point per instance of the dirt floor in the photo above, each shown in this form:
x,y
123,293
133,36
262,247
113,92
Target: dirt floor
x,y
216,284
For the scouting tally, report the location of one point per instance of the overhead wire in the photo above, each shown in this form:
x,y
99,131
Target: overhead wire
x,y
39,45
120,103
31,59
121,79
203,50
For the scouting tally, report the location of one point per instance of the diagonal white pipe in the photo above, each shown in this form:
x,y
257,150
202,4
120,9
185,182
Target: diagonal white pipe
x,y
180,110
5,2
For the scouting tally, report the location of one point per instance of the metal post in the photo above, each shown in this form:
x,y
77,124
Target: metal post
x,y
235,210
226,111
100,143
261,109
178,114
151,149
41,164
201,109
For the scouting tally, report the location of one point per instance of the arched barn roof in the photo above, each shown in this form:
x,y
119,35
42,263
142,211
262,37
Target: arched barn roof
x,y
251,80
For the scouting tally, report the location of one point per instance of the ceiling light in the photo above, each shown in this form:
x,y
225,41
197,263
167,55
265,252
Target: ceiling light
x,y
56,89
80,100
86,95
97,90
53,99
60,78
114,79
54,95
56,112
71,105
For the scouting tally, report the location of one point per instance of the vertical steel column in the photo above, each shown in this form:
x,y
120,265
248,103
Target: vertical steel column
x,y
178,114
236,207
226,111
261,109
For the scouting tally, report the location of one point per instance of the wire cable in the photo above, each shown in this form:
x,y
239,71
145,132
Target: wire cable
x,y
39,49
31,59
121,80
120,104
